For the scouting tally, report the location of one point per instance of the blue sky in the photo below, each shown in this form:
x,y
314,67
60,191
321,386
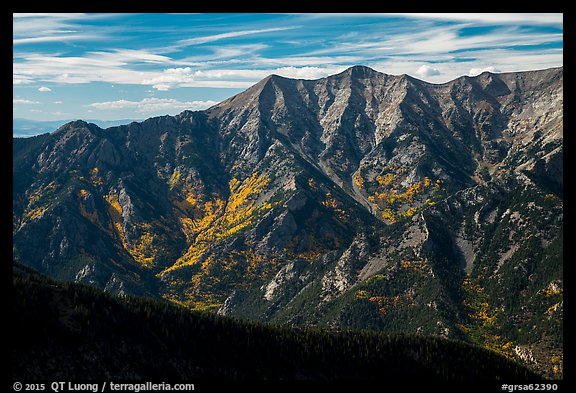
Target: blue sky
x,y
135,66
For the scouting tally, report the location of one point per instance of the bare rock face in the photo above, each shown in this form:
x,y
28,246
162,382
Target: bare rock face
x,y
359,200
343,276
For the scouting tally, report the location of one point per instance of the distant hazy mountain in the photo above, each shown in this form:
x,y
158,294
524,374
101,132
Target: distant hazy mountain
x,y
27,127
359,200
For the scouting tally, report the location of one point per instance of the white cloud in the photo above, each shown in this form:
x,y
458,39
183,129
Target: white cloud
x,y
23,101
153,105
75,69
308,72
426,71
161,87
44,88
254,75
98,68
170,77
478,70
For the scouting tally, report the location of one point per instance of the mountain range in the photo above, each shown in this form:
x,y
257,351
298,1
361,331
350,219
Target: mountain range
x,y
361,200
23,128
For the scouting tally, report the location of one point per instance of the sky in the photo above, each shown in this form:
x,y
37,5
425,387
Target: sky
x,y
136,66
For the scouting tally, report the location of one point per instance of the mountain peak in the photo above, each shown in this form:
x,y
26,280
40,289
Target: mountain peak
x,y
274,77
72,125
360,71
78,123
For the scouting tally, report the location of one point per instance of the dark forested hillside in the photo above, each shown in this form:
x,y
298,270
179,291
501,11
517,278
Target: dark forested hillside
x,y
74,332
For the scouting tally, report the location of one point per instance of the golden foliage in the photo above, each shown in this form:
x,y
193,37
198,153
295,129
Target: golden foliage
x,y
312,184
174,179
483,319
408,213
36,213
92,217
115,214
83,193
39,201
310,255
552,309
556,359
143,249
552,291
362,294
329,201
201,292
218,219
390,202
95,177
335,205
389,215
417,266
385,179
358,179
35,196
387,303
112,200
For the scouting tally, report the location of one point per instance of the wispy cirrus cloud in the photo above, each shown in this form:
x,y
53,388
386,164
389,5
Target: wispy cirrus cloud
x,y
476,17
149,105
428,40
125,67
56,15
55,38
490,18
449,40
22,79
38,28
23,101
231,34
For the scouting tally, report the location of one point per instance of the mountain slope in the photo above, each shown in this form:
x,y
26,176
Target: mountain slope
x,y
362,199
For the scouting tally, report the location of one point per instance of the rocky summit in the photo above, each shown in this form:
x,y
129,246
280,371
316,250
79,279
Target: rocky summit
x,y
361,200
